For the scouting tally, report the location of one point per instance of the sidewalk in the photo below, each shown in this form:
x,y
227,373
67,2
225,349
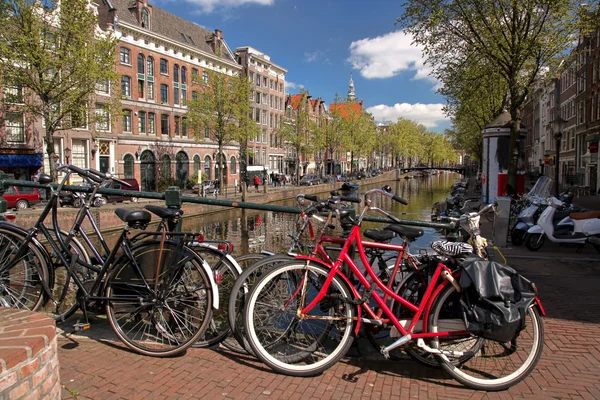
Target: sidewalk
x,y
98,366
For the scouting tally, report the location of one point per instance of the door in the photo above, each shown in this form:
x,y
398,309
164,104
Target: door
x,y
182,169
148,171
104,163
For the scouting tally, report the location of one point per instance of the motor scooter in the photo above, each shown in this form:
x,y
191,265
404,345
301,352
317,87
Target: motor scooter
x,y
578,228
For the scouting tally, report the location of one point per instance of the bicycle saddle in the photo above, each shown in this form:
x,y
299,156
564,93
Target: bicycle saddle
x,y
404,231
378,235
451,249
163,212
137,219
44,179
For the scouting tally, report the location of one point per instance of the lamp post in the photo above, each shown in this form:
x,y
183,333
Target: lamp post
x,y
556,127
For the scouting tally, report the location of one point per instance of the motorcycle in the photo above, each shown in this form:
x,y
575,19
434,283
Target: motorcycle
x,y
578,228
536,203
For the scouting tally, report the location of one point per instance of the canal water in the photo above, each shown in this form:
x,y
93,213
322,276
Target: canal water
x,y
252,231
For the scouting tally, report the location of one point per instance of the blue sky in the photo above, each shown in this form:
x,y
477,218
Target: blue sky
x,y
320,42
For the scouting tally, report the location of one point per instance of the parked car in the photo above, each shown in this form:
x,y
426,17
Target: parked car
x,y
310,180
330,179
113,198
21,197
209,187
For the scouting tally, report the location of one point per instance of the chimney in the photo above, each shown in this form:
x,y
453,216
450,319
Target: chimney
x,y
216,41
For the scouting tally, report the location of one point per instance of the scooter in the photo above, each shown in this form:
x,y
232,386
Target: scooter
x,y
577,228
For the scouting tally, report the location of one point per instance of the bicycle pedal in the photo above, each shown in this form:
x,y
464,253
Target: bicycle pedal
x,y
80,326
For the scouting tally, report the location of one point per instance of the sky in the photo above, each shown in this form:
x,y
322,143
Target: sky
x,y
322,42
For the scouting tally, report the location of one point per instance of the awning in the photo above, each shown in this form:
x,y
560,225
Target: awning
x,y
21,160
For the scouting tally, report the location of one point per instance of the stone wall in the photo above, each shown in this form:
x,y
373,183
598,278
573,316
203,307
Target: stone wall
x,y
28,356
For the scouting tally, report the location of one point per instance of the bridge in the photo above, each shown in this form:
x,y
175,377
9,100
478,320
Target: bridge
x,y
459,168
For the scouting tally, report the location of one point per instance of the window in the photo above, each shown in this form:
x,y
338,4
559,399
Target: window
x,y
205,77
102,118
258,80
183,75
183,97
79,153
103,87
15,132
126,86
270,120
151,130
233,167
164,93
175,73
142,122
263,117
13,94
125,56
150,90
207,167
128,166
271,100
257,97
79,117
141,63
177,126
194,74
264,99
166,166
126,121
150,66
206,132
251,77
145,20
175,95
164,124
164,66
265,81
140,88
194,95
184,127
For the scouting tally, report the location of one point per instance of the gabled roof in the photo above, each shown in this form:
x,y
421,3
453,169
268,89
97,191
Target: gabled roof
x,y
294,100
173,27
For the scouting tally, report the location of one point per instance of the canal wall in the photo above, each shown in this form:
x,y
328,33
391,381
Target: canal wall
x,y
107,221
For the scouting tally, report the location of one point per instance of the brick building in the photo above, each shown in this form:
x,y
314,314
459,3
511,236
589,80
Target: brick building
x,y
268,108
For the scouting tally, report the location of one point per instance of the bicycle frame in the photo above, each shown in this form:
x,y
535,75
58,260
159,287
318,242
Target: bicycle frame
x,y
344,258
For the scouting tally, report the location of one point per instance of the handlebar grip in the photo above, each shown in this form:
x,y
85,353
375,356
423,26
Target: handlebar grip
x,y
400,200
350,199
311,197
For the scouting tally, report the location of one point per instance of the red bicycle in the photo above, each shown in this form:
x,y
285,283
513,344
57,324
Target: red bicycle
x,y
301,318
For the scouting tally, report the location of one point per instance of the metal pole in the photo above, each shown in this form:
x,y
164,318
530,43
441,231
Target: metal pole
x,y
557,164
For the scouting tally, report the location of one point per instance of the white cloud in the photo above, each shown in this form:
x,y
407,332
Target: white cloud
x,y
316,56
292,86
387,55
429,115
209,6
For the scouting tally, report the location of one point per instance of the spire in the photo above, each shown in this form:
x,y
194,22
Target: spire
x,y
351,94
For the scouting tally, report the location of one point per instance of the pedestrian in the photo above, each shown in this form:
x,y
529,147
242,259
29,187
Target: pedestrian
x,y
217,186
283,180
256,182
273,179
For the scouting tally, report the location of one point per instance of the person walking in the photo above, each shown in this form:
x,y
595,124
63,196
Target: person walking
x,y
283,180
217,186
256,182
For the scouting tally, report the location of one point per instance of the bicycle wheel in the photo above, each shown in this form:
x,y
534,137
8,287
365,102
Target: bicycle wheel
x,y
291,344
226,275
246,260
170,315
495,365
21,278
242,288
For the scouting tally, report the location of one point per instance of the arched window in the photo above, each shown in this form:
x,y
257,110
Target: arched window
x,y
207,167
182,168
145,18
141,63
175,73
233,166
183,75
150,66
128,166
196,163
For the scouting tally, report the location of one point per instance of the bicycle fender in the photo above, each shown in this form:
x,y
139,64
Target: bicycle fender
x,y
227,256
536,229
213,284
345,278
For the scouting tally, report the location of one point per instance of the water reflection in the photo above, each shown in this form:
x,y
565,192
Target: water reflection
x,y
253,231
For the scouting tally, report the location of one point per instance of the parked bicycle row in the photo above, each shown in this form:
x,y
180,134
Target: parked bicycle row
x,y
164,291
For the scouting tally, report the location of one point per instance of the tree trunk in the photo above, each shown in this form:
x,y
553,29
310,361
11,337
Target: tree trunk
x,y
351,161
515,131
51,154
244,168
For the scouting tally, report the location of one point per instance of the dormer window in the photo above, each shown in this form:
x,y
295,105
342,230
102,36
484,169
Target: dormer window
x,y
145,18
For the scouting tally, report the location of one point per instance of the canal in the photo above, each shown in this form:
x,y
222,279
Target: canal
x,y
253,231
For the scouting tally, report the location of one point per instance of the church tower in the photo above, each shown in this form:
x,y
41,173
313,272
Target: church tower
x,y
351,94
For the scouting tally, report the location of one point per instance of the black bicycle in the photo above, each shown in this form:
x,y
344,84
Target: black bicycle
x,y
158,293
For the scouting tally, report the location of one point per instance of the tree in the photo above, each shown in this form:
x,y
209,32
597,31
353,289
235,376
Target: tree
x,y
357,129
518,36
56,52
222,106
406,139
297,130
327,136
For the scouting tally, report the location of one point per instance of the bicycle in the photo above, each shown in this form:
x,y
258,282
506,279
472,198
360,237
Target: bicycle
x,y
158,294
301,316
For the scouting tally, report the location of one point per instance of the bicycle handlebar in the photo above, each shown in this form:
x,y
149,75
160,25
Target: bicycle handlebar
x,y
92,174
387,194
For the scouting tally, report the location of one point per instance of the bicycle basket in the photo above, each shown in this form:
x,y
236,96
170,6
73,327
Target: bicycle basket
x,y
494,299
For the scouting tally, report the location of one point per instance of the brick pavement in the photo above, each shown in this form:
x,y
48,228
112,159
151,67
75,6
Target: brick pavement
x,y
99,367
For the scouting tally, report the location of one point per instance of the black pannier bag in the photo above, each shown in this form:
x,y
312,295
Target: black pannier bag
x,y
494,299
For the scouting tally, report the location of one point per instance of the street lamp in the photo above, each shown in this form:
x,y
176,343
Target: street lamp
x,y
556,128
94,150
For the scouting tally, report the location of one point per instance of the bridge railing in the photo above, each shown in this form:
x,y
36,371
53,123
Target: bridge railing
x,y
174,199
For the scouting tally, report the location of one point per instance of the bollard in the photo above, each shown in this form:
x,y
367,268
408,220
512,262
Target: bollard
x,y
501,221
